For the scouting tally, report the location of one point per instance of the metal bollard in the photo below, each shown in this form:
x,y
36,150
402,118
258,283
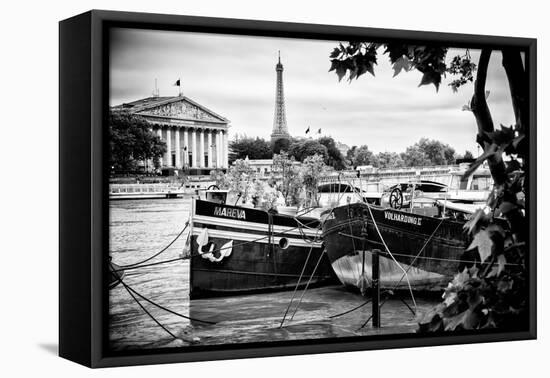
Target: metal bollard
x,y
375,289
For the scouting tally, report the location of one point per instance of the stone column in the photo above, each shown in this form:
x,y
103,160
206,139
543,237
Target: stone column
x,y
159,134
220,149
178,149
185,148
168,154
226,148
201,149
217,149
210,149
194,148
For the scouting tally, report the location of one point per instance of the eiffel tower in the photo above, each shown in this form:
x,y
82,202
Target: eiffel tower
x,y
280,130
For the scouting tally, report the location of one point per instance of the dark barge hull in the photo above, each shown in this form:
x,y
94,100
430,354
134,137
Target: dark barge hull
x,y
257,263
350,236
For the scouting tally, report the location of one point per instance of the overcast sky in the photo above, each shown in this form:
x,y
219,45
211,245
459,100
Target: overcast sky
x,y
235,77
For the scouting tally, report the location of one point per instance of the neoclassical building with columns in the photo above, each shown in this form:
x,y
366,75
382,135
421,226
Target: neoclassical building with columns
x,y
196,138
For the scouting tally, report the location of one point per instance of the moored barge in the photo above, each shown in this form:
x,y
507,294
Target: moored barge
x,y
238,250
428,248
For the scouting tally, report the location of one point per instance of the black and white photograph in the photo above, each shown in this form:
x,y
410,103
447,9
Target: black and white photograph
x,y
269,189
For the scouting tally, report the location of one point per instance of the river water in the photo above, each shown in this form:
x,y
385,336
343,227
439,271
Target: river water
x,y
140,228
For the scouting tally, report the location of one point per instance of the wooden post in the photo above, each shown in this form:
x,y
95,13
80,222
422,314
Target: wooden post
x,y
375,289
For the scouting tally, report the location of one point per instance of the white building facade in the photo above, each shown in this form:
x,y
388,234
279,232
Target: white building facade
x,y
196,138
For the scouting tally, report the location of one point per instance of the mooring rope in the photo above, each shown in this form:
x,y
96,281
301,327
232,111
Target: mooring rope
x,y
150,264
408,268
353,309
144,309
296,287
167,309
159,252
307,285
132,291
148,313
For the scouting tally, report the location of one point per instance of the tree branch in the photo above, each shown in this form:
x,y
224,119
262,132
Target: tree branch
x,y
517,81
479,103
484,121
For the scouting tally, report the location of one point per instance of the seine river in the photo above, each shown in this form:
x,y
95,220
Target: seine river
x,y
140,228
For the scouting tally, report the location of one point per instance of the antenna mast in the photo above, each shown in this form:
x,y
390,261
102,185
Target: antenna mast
x,y
156,90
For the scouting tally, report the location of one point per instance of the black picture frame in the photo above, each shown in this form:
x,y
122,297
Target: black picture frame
x,y
83,196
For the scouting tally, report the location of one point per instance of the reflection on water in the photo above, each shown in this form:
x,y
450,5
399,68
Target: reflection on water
x,y
140,228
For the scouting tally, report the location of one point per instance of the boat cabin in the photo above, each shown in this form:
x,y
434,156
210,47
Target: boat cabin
x,y
214,195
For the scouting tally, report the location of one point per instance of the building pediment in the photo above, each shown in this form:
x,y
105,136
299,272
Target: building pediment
x,y
174,107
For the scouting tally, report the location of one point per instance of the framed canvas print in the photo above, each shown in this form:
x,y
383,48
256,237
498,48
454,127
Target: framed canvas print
x,y
233,188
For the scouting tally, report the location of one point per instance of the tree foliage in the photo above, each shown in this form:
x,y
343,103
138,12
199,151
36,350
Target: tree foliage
x,y
312,169
131,141
279,145
253,148
389,160
335,158
423,153
468,155
358,58
292,182
301,148
240,179
428,152
362,156
220,178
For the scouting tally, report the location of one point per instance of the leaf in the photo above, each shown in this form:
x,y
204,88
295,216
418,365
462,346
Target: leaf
x,y
493,272
476,218
501,260
474,299
506,207
466,108
484,244
489,151
335,53
465,320
502,137
431,77
516,141
460,278
365,63
341,72
340,67
487,93
474,270
450,298
403,63
397,50
504,285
